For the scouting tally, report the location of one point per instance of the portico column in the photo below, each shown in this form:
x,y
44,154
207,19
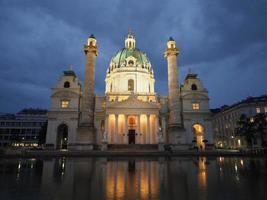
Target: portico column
x,y
138,130
116,129
148,129
156,129
106,126
126,130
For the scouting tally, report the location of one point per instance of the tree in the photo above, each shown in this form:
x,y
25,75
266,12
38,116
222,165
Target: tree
x,y
42,134
260,125
245,127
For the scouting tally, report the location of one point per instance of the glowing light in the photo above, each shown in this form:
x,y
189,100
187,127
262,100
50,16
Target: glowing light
x,y
195,106
239,142
241,162
65,103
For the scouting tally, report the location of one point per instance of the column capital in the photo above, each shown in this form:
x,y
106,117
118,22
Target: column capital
x,y
90,49
171,51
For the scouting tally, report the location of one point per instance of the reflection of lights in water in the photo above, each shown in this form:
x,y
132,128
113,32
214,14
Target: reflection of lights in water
x,y
63,167
241,162
221,159
31,165
236,167
18,172
202,175
19,166
141,182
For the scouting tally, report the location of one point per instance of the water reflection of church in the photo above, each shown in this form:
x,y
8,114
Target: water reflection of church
x,y
130,112
124,179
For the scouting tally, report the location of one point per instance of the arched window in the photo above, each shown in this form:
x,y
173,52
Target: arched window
x,y
130,62
67,84
62,136
193,87
130,85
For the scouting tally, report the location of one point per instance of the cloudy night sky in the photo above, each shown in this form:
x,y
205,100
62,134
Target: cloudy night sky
x,y
225,42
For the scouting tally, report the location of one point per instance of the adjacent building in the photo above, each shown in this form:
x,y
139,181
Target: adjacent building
x,y
130,111
225,121
22,129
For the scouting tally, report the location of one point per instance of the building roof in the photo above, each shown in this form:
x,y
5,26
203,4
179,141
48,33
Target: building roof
x,y
33,111
121,55
248,100
69,73
190,76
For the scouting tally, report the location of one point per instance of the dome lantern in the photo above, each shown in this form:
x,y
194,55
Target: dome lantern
x,y
130,40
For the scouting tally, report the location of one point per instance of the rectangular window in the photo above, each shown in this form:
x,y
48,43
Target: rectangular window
x,y
265,109
65,103
195,106
258,110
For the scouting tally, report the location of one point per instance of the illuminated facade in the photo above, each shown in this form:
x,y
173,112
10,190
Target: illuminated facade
x,y
130,112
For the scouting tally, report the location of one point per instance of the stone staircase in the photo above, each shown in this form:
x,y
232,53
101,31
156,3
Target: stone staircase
x,y
132,147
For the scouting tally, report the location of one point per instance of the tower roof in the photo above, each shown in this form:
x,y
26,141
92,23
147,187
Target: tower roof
x,y
171,39
190,75
92,36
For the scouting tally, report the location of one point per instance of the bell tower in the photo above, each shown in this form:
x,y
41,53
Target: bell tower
x,y
91,51
86,125
175,121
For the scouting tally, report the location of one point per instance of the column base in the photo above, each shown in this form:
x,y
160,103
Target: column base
x,y
85,134
176,134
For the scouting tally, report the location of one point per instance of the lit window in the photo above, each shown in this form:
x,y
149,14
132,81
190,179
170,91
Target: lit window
x,y
258,110
195,106
65,103
265,109
251,119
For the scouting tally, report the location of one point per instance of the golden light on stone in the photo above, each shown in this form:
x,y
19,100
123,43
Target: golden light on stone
x,y
199,134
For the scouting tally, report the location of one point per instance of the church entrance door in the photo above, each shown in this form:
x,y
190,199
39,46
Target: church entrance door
x,y
131,136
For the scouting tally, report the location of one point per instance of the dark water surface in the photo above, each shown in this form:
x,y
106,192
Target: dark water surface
x,y
134,178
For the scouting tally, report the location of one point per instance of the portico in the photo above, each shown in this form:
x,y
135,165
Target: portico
x,y
132,121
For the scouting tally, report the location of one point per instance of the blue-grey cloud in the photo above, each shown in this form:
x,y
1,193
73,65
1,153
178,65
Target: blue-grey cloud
x,y
224,42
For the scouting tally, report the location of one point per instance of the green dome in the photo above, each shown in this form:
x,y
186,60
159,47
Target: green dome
x,y
121,55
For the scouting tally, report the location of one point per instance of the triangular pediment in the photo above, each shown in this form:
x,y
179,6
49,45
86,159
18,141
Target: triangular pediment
x,y
133,103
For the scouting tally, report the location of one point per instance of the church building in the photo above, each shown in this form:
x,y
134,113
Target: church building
x,y
130,113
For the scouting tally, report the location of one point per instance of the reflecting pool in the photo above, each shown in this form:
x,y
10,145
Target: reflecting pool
x,y
223,178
